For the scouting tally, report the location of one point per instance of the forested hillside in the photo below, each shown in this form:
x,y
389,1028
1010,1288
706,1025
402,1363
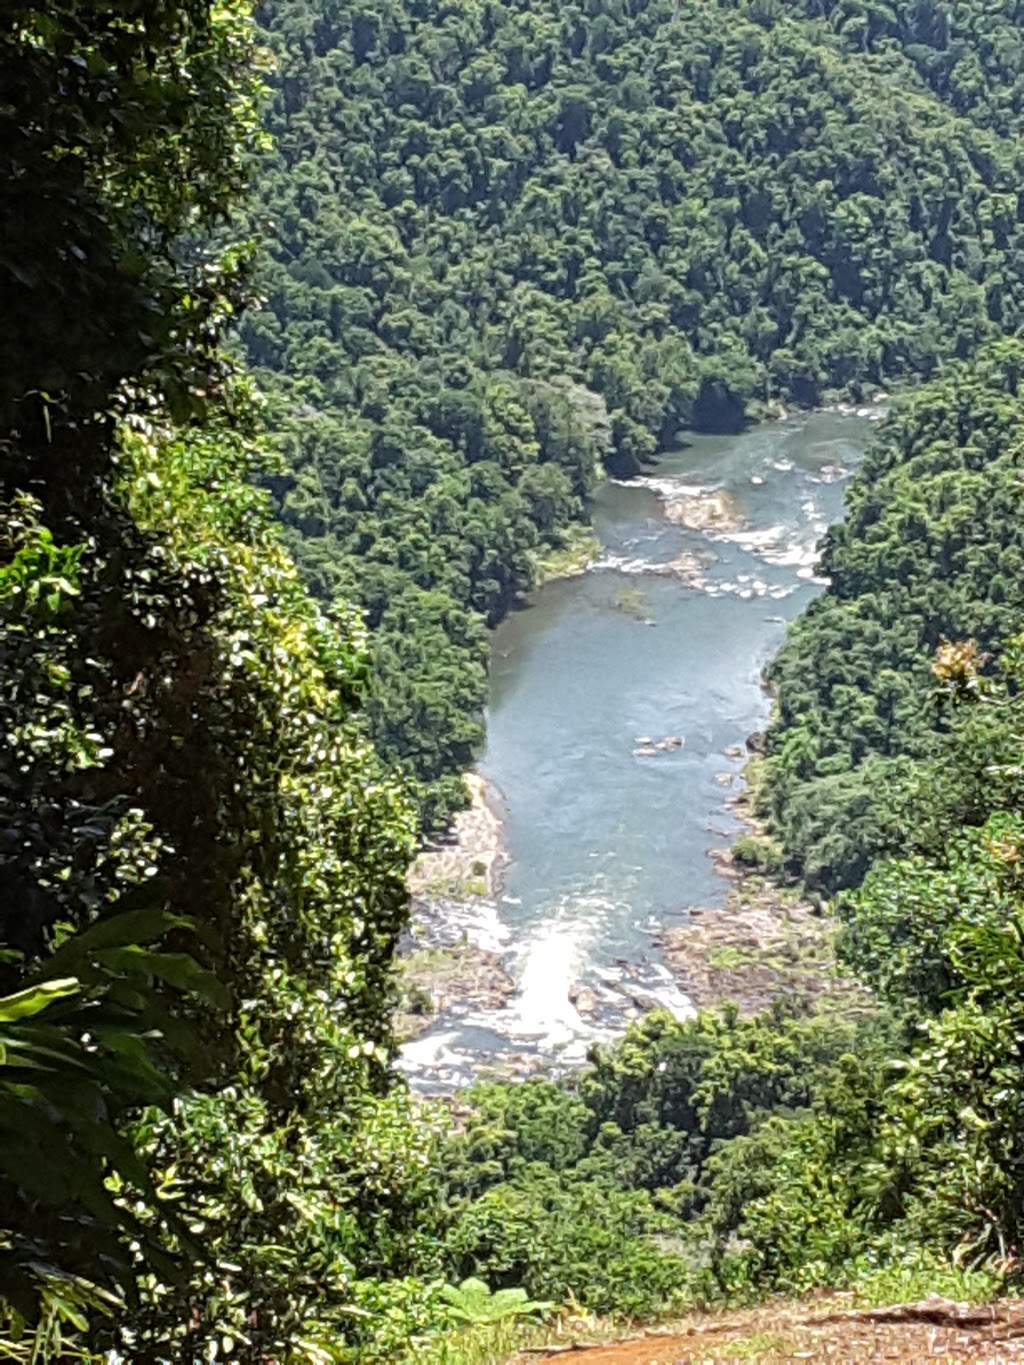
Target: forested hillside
x,y
931,550
202,863
507,241
969,54
505,246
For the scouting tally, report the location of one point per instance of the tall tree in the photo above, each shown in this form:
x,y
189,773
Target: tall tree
x,y
201,864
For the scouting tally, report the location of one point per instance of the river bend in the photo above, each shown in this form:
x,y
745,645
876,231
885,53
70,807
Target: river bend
x,y
619,706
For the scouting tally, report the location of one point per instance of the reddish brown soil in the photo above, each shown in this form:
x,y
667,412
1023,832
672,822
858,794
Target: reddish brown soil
x,y
934,1330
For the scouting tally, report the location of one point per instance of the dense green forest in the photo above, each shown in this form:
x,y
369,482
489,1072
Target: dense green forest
x,y
931,550
503,248
506,241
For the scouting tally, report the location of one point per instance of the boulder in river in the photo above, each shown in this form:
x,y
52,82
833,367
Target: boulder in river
x,y
710,510
584,999
642,1001
725,863
651,748
687,566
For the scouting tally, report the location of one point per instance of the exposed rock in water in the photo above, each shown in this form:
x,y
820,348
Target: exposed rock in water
x,y
651,748
687,566
458,977
715,510
725,863
829,473
584,999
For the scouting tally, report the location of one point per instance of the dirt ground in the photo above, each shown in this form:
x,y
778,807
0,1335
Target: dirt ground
x,y
933,1330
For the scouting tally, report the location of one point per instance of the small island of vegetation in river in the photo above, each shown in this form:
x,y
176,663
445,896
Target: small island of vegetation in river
x,y
243,649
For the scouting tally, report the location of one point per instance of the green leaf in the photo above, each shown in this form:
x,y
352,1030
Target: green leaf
x,y
34,999
132,927
177,969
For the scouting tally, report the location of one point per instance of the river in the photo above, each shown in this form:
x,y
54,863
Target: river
x,y
664,639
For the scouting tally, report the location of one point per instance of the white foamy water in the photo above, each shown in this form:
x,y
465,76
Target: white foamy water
x,y
626,564
477,922
437,1054
668,489
548,965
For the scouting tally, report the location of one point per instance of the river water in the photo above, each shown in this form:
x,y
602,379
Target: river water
x,y
610,836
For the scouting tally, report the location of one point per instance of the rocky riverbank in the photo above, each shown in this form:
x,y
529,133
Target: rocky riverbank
x,y
764,945
451,957
592,927
456,977
469,859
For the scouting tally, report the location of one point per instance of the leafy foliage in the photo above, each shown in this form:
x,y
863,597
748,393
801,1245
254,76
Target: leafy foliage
x,y
191,829
930,550
472,1302
510,244
77,1053
788,1152
122,131
617,1191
